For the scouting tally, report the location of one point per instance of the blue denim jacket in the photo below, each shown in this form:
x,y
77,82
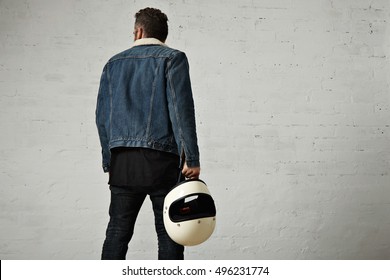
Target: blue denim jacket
x,y
145,100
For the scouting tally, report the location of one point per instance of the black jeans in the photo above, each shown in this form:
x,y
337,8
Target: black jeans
x,y
124,207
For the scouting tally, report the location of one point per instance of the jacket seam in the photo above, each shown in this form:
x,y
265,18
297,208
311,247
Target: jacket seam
x,y
173,92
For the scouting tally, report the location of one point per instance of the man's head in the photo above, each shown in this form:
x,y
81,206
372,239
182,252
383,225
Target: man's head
x,y
151,23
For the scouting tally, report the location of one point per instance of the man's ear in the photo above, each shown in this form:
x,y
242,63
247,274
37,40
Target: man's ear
x,y
140,33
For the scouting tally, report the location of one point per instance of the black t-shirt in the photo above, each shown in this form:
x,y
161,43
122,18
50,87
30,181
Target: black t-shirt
x,y
142,167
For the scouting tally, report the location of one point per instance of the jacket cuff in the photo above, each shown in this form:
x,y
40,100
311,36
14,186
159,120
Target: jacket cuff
x,y
193,163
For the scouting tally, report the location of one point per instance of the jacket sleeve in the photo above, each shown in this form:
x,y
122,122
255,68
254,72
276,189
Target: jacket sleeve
x,y
181,108
102,119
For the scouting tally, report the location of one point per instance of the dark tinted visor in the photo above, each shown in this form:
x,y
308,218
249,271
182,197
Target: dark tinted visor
x,y
193,206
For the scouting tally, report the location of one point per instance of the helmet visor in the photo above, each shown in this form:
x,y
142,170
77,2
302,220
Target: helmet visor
x,y
193,206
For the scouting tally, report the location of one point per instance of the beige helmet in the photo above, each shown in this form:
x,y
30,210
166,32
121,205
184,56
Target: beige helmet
x,y
189,213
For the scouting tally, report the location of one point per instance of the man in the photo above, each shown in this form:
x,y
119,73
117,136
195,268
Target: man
x,y
146,123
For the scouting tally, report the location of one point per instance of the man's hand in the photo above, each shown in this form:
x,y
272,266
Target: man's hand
x,y
190,172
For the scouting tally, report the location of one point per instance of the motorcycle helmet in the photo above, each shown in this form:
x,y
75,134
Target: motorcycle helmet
x,y
189,213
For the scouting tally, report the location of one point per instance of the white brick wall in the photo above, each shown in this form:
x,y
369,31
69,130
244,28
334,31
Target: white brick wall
x,y
293,116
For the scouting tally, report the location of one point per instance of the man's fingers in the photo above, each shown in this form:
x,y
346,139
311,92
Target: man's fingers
x,y
190,172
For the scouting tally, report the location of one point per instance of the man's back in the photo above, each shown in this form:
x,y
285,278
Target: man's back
x,y
148,100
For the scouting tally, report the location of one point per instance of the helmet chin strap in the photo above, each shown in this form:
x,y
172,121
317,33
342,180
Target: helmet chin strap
x,y
180,177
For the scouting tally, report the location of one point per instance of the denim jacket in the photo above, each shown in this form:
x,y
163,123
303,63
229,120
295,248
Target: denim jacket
x,y
145,100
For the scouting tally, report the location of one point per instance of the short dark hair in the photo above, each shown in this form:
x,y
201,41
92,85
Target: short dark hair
x,y
154,22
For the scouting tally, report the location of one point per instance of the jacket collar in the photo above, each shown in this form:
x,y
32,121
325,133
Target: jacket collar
x,y
148,41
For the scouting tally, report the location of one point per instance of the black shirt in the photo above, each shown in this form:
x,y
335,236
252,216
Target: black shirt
x,y
142,167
